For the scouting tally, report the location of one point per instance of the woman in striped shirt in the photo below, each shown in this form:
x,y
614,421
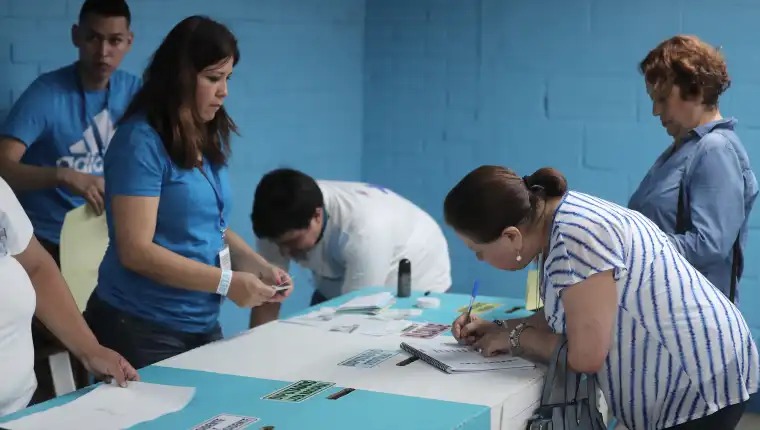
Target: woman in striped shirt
x,y
668,349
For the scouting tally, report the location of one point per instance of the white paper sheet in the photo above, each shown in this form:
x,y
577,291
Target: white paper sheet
x,y
351,323
368,304
109,407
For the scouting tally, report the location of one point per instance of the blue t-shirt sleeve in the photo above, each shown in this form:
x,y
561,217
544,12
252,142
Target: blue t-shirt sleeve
x,y
27,119
135,162
583,247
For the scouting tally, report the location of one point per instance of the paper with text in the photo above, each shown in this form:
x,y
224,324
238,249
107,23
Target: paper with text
x,y
352,323
449,356
109,407
370,304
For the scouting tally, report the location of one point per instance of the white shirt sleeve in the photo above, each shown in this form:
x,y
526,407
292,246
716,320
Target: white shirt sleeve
x,y
367,257
15,227
271,253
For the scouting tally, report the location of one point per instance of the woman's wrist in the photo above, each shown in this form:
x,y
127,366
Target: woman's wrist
x,y
510,324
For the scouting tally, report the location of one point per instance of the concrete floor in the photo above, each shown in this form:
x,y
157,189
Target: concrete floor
x,y
749,422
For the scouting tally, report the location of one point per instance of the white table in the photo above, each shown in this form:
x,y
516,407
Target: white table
x,y
280,350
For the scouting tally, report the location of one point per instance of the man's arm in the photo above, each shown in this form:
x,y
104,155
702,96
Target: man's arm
x,y
26,122
23,177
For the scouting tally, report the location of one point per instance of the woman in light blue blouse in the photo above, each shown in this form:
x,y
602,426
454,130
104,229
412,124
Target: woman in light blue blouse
x,y
705,170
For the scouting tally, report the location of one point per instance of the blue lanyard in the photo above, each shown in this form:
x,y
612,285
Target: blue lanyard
x,y
99,141
218,195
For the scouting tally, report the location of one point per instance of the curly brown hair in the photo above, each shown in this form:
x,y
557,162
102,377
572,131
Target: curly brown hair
x,y
693,65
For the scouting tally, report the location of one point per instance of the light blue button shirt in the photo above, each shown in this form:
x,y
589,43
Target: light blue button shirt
x,y
720,190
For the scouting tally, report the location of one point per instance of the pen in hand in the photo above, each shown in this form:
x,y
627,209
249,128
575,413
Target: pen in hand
x,y
472,301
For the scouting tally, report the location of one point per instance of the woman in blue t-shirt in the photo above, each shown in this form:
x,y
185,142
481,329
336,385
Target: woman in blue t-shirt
x,y
171,255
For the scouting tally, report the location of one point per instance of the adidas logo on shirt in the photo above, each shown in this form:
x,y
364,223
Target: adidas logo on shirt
x,y
85,155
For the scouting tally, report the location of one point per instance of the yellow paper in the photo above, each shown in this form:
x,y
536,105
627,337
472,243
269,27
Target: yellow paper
x,y
479,307
84,239
532,293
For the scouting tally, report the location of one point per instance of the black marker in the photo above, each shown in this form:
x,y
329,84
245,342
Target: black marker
x,y
339,394
409,360
514,309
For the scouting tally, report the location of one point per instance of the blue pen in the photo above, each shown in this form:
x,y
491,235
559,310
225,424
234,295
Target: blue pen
x,y
472,299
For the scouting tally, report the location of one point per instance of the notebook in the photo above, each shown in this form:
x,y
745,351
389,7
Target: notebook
x,y
446,354
371,304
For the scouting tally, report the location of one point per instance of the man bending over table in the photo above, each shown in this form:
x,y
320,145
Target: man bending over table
x,y
349,234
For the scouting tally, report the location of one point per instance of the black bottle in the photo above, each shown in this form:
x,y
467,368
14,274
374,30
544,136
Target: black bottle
x,y
404,278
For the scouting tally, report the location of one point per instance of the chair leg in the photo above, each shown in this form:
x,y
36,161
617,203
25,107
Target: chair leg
x,y
63,376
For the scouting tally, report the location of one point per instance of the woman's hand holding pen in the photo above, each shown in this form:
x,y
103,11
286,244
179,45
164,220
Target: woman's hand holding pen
x,y
469,332
486,337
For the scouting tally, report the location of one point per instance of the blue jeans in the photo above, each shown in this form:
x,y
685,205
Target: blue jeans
x,y
140,341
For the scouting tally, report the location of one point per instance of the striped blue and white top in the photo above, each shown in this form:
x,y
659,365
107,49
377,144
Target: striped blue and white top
x,y
680,349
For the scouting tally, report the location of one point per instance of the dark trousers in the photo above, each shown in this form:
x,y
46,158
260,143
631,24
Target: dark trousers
x,y
317,298
724,419
140,341
46,344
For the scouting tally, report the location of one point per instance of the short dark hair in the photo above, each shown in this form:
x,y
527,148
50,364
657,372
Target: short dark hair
x,y
167,96
106,8
691,64
492,198
285,199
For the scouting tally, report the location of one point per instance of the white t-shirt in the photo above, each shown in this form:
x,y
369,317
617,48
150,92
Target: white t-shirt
x,y
368,230
17,303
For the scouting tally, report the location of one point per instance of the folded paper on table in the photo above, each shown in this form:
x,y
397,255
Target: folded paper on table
x,y
370,325
110,407
445,353
372,304
84,239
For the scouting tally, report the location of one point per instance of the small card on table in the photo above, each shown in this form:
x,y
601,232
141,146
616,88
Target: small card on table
x,y
298,391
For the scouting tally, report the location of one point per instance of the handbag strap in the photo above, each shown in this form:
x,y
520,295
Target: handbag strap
x,y
737,257
559,357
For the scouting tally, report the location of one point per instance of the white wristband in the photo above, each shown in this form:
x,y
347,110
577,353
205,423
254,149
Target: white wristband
x,y
224,282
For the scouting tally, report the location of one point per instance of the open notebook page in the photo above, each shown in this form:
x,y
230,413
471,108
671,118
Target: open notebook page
x,y
445,353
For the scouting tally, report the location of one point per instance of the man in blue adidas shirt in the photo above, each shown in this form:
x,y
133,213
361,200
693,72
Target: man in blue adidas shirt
x,y
53,140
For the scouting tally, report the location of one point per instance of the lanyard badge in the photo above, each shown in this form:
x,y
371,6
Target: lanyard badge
x,y
225,261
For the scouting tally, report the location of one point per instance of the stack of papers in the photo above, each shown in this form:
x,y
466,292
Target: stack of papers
x,y
445,353
350,323
109,407
372,304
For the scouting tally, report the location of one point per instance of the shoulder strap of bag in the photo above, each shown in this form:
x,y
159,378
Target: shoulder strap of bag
x,y
551,374
682,227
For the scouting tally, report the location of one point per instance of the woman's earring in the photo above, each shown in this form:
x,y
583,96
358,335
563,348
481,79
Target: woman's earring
x,y
519,257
